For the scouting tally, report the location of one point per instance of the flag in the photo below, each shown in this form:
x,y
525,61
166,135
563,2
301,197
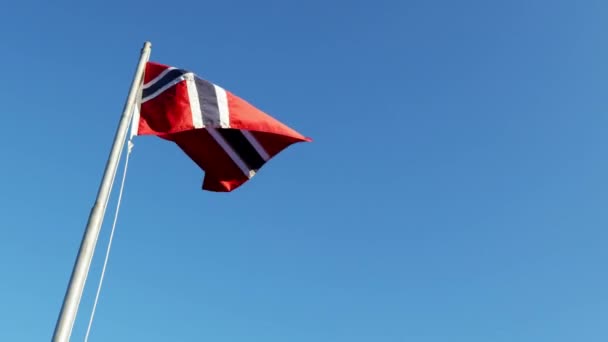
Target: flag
x,y
227,137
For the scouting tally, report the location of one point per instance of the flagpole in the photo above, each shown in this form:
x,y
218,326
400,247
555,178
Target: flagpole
x,y
69,308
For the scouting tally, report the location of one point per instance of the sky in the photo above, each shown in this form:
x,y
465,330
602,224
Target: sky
x,y
455,188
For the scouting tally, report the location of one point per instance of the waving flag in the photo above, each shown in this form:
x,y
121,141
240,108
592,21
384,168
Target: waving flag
x,y
224,135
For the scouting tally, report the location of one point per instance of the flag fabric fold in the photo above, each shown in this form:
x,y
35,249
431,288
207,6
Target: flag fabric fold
x,y
227,137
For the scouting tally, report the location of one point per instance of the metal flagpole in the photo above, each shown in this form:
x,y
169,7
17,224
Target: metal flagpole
x,y
71,301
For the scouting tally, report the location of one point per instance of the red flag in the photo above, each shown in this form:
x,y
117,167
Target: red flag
x,y
224,135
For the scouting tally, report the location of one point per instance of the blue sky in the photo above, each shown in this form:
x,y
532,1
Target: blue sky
x,y
455,189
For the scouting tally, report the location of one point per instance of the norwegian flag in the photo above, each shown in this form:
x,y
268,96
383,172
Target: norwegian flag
x,y
224,135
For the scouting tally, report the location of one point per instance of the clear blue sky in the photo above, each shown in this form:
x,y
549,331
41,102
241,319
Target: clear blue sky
x,y
456,188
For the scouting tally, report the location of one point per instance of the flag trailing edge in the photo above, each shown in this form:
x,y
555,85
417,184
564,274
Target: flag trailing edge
x,y
226,136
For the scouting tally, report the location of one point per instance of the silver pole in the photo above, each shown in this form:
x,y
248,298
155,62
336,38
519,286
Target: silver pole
x,y
71,301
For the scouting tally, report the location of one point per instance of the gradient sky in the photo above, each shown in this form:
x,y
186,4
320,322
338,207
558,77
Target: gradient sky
x,y
455,190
